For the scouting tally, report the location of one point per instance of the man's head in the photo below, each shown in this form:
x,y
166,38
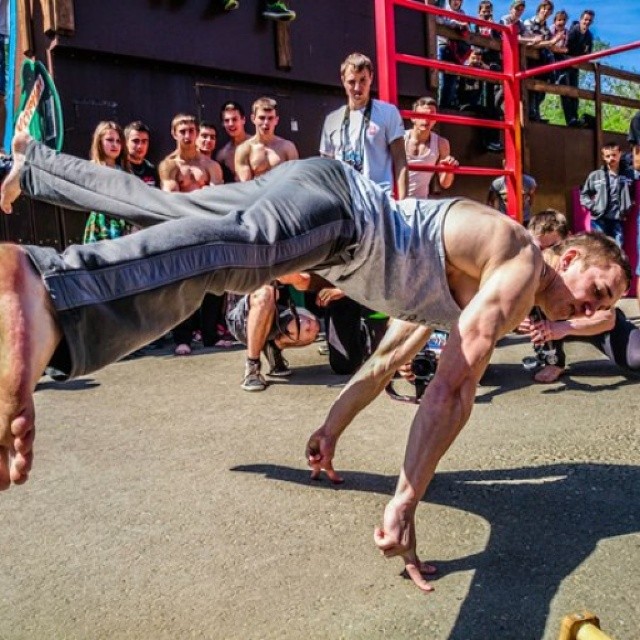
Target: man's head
x,y
264,115
590,273
184,130
233,119
485,10
611,156
356,73
544,9
207,137
137,136
423,105
475,57
455,5
306,334
586,19
516,9
548,228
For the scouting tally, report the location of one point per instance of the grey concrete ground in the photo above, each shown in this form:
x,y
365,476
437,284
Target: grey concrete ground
x,y
168,503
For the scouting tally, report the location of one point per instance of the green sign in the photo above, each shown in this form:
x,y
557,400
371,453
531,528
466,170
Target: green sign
x,y
39,110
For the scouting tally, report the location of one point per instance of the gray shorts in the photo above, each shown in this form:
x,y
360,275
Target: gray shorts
x,y
238,313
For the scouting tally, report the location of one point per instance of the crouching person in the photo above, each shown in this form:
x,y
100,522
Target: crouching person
x,y
268,322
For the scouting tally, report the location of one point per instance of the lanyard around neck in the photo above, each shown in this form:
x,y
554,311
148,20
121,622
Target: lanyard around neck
x,y
345,135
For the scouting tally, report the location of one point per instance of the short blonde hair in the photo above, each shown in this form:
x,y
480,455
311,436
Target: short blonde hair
x,y
264,103
358,61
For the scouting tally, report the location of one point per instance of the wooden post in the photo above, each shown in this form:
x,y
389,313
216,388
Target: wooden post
x,y
432,48
284,58
25,28
599,136
58,17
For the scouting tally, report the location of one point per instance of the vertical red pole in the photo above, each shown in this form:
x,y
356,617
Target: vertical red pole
x,y
386,51
513,132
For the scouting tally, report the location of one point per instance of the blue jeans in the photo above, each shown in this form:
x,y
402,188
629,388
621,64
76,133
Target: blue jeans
x,y
612,228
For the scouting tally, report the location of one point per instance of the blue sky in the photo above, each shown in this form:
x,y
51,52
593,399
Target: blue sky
x,y
617,22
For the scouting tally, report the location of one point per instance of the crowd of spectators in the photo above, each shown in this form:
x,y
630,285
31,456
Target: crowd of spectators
x,y
369,135
552,35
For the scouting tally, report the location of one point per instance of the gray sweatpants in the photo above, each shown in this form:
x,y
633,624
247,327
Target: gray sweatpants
x,y
114,296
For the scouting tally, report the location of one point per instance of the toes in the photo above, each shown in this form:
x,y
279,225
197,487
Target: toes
x,y
20,467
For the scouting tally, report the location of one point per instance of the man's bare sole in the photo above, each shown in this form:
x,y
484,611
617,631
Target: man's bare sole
x,y
11,184
28,338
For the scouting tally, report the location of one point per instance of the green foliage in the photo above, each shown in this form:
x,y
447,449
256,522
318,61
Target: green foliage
x,y
614,119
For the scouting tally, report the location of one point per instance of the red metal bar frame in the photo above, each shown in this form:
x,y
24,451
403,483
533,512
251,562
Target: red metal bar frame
x,y
388,59
587,57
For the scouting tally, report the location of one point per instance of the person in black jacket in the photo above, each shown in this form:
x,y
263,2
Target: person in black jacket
x,y
579,43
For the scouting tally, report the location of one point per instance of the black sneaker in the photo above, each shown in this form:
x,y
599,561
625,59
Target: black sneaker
x,y
278,366
278,11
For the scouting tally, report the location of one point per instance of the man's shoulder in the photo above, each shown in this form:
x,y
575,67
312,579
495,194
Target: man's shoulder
x,y
334,118
225,149
384,107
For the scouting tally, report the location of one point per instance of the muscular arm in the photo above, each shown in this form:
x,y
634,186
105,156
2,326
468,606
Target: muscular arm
x,y
215,172
502,301
243,168
168,175
400,343
291,151
594,325
400,172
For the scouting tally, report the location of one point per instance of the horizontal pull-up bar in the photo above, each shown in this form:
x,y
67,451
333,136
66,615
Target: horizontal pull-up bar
x,y
571,62
425,8
448,67
463,171
461,120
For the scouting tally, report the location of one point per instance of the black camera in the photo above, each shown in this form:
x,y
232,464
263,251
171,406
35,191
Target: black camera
x,y
423,366
544,353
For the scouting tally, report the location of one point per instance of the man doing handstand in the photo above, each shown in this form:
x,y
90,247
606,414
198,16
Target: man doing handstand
x,y
451,264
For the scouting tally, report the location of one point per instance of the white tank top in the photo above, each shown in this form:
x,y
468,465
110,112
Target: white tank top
x,y
419,180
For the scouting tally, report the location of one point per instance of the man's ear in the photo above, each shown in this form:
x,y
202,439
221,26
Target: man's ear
x,y
568,257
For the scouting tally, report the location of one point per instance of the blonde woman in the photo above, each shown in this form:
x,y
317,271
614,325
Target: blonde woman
x,y
108,148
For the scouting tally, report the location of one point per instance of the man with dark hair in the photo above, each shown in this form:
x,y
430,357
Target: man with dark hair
x,y
452,264
137,137
607,195
579,43
233,120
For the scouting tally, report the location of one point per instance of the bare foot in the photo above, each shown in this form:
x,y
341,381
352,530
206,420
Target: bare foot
x,y
28,338
11,184
549,374
320,451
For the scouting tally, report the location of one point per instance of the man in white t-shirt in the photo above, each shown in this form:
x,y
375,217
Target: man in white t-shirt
x,y
367,134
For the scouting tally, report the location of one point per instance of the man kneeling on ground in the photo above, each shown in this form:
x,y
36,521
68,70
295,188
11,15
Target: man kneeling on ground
x,y
267,321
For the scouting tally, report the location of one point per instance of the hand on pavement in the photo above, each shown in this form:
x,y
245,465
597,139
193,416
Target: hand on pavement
x,y
320,451
397,537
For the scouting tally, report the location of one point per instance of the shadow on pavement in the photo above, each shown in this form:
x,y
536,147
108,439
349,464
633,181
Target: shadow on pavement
x,y
545,521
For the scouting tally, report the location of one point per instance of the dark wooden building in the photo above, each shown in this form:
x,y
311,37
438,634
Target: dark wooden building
x,y
149,59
